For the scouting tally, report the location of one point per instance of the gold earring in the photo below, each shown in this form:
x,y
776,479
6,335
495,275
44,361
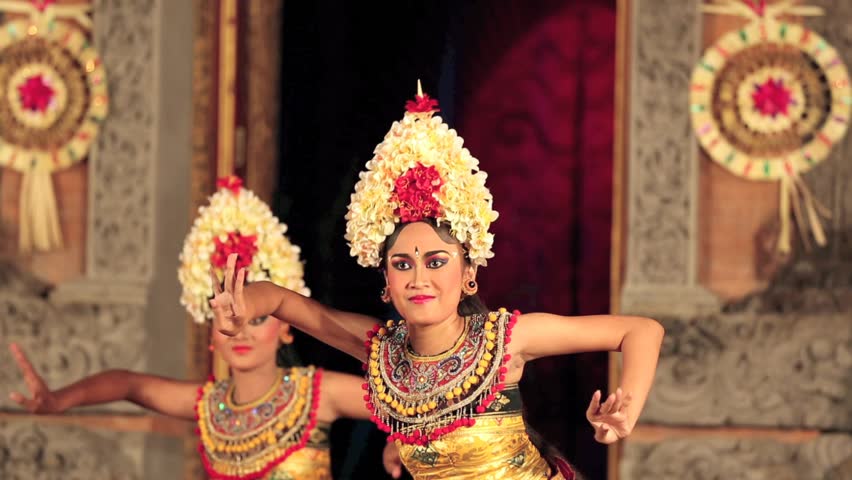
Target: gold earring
x,y
385,295
470,288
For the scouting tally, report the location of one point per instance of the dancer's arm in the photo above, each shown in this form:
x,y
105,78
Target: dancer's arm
x,y
162,395
342,397
342,330
539,335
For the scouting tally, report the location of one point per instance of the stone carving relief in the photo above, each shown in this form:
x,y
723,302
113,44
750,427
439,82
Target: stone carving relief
x,y
120,170
755,370
30,451
752,459
661,162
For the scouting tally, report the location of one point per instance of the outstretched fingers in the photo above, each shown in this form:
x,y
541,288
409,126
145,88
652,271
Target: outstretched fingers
x,y
28,404
214,279
230,266
594,405
619,399
238,306
32,379
606,407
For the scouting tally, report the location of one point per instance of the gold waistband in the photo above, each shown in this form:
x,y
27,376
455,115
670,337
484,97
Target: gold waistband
x,y
496,447
305,464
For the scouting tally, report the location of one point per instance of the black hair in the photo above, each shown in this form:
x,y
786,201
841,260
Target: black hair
x,y
549,453
286,356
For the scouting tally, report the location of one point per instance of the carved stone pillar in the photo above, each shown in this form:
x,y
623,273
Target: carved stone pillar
x,y
662,168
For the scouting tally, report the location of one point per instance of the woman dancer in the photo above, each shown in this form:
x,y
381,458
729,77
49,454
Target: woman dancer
x,y
442,382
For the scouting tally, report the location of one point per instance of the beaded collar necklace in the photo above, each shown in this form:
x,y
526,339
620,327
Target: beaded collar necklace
x,y
246,442
417,399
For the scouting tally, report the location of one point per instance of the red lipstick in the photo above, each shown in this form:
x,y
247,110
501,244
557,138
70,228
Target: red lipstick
x,y
421,299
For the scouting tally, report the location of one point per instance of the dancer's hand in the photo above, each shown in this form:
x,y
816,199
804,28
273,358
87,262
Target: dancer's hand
x,y
228,304
391,460
42,400
610,418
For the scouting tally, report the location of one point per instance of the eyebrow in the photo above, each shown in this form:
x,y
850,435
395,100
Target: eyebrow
x,y
427,254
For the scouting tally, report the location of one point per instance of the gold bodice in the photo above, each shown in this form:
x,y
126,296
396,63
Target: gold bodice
x,y
452,415
305,464
313,462
496,447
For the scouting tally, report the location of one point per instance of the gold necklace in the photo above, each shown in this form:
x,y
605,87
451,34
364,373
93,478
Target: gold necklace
x,y
438,356
233,405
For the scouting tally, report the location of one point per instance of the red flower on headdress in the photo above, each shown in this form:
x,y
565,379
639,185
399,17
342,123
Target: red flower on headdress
x,y
35,94
41,5
413,193
231,182
245,246
758,6
422,104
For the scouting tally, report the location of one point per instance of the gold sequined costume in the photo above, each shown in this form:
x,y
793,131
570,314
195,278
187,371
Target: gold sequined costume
x,y
452,415
495,447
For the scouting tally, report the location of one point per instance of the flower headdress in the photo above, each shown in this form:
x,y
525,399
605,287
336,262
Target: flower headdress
x,y
420,171
235,221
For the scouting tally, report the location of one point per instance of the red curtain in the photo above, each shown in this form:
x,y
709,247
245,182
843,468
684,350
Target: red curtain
x,y
537,90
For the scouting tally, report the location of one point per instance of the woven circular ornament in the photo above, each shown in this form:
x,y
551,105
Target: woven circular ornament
x,y
770,100
53,99
54,95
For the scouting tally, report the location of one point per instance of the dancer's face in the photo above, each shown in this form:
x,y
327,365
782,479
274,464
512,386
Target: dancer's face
x,y
425,275
255,345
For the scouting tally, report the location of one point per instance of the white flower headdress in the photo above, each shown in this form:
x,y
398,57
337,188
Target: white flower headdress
x,y
420,171
235,221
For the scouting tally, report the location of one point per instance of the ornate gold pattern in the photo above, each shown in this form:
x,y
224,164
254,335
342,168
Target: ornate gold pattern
x,y
417,399
305,464
495,448
251,441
